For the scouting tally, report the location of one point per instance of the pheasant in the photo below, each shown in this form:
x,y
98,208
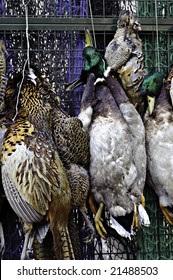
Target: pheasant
x,y
34,179
3,78
3,127
72,144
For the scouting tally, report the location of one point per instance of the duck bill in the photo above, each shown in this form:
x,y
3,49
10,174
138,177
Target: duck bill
x,y
151,103
88,38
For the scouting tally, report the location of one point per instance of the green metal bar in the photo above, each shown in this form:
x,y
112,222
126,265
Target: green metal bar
x,y
100,24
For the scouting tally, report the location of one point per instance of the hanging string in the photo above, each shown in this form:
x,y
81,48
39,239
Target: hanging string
x,y
27,59
92,23
157,37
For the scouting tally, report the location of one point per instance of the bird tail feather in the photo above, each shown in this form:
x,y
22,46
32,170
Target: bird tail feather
x,y
63,248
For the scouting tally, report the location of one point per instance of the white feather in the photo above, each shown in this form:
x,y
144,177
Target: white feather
x,y
85,116
121,231
143,216
32,76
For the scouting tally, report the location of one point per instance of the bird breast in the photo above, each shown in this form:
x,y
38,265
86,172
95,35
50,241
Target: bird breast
x,y
160,158
112,170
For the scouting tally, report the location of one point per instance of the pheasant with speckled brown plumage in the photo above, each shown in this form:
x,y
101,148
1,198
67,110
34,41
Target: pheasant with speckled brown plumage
x,y
34,178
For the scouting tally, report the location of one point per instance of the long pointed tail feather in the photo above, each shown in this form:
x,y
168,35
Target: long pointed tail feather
x,y
63,248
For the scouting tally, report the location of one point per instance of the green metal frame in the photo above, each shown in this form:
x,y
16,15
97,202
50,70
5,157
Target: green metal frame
x,y
69,24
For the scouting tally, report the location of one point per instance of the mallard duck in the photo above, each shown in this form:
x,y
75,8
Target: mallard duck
x,y
118,158
93,63
158,122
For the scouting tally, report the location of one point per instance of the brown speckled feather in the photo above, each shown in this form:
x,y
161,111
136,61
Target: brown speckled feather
x,y
33,165
3,78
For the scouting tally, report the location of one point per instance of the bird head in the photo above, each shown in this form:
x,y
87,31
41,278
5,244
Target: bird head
x,y
151,88
129,20
91,57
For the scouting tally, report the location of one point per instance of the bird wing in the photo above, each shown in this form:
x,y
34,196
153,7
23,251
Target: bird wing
x,y
36,169
22,208
117,54
71,140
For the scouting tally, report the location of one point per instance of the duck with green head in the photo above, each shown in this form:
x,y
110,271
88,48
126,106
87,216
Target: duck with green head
x,y
158,122
93,63
117,155
151,88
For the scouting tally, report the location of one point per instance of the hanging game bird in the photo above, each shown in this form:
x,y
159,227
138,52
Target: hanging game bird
x,y
3,78
72,144
34,179
124,55
158,122
3,127
118,158
93,63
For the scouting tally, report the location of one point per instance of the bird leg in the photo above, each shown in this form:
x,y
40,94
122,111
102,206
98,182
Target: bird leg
x,y
98,223
99,226
92,204
143,200
89,224
28,242
135,222
168,214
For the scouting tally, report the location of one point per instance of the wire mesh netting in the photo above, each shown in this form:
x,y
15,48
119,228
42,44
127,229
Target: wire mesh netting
x,y
58,54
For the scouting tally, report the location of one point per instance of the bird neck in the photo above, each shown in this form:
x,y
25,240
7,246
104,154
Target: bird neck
x,y
120,34
88,94
163,99
116,90
35,110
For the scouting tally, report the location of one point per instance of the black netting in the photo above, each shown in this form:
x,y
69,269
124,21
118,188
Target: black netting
x,y
59,55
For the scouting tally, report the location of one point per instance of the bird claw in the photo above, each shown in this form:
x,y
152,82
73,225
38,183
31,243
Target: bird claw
x,y
100,229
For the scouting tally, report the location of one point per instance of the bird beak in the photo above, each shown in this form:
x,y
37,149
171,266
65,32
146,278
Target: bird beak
x,y
151,103
88,38
137,26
